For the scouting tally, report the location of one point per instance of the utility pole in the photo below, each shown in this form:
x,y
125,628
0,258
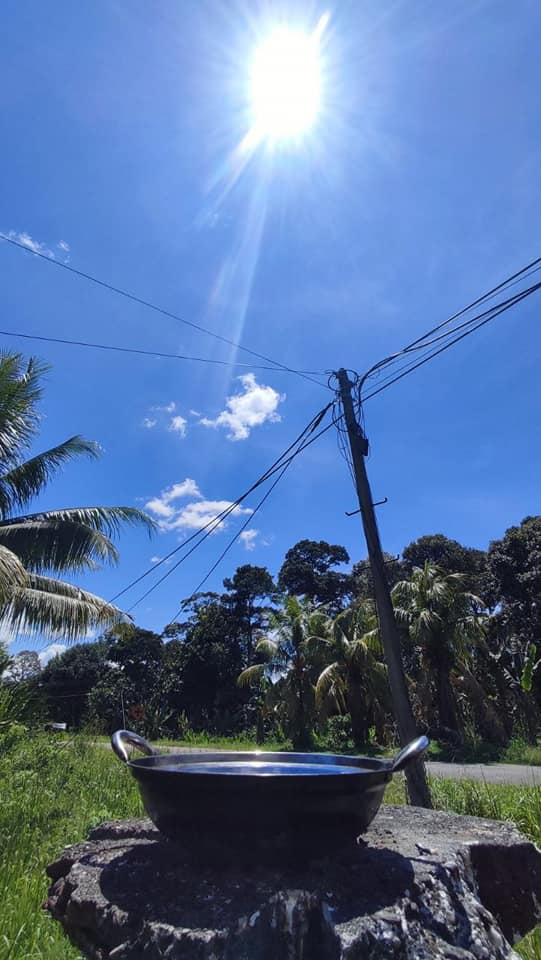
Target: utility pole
x,y
418,791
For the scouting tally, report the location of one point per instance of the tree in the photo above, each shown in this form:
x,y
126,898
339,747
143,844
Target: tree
x,y
33,545
209,660
246,587
306,571
363,582
24,666
356,680
514,591
67,681
444,624
289,665
439,551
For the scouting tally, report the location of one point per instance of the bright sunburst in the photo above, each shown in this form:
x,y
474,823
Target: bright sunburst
x,y
286,83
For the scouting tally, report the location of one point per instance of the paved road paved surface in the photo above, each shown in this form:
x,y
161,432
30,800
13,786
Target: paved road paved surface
x,y
514,773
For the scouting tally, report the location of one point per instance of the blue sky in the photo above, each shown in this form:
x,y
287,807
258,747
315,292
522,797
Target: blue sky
x,y
417,190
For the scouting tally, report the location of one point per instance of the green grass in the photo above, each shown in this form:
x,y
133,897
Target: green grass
x,y
54,791
517,750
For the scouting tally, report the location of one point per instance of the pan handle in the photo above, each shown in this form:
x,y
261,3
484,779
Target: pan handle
x,y
122,737
412,751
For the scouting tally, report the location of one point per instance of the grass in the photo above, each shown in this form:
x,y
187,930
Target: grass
x,y
54,791
517,750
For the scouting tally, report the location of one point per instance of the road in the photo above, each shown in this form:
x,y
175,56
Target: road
x,y
513,773
518,775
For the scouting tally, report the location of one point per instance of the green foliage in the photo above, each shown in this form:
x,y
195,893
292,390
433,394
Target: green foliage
x,y
306,571
52,794
50,541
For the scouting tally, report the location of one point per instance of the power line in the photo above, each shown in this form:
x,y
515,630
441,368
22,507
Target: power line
x,y
233,540
151,353
419,343
493,314
151,306
215,522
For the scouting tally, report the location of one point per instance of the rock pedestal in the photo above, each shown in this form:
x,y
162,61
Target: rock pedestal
x,y
420,885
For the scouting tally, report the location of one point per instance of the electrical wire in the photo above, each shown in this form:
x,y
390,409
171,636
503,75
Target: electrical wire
x,y
152,353
493,314
215,521
232,541
151,306
420,342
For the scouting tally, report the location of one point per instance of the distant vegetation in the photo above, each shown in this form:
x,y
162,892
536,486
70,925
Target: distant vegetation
x,y
299,659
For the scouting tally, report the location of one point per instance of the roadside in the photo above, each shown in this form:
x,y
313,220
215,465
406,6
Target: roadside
x,y
520,775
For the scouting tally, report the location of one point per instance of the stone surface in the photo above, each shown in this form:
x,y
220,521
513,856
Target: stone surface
x,y
420,885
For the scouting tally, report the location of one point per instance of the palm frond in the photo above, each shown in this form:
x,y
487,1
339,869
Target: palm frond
x,y
267,648
252,675
20,391
12,573
26,480
331,685
55,608
72,539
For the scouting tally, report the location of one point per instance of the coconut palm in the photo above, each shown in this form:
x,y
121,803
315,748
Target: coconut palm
x,y
356,680
35,545
444,624
290,661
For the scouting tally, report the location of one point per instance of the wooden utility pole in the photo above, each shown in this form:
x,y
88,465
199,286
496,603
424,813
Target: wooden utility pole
x,y
418,791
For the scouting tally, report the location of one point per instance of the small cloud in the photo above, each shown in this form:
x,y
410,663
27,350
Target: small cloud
x,y
167,408
62,245
195,515
248,539
162,506
178,425
27,241
161,560
148,423
194,413
53,650
257,404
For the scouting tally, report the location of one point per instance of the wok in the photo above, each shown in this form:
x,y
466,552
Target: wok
x,y
258,797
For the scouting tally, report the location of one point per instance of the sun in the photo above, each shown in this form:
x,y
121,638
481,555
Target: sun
x,y
285,83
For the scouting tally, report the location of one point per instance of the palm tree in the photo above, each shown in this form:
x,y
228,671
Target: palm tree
x,y
289,663
444,624
35,545
356,681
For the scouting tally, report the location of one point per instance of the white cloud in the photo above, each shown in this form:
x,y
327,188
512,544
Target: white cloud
x,y
195,515
257,404
162,506
194,413
166,408
248,539
148,423
53,650
27,241
62,245
178,425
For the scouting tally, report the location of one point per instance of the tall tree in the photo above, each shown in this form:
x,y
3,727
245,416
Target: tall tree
x,y
249,585
290,656
514,578
24,666
355,682
443,622
34,545
68,679
449,555
363,582
307,572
